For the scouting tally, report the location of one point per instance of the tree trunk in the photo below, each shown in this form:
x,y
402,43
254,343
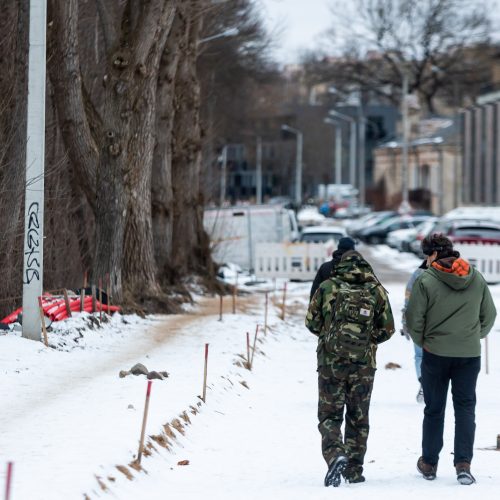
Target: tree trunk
x,y
13,101
113,150
191,242
162,192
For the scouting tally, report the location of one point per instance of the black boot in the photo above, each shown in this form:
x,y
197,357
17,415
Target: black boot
x,y
335,469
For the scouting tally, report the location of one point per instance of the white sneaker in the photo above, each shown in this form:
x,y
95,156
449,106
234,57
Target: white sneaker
x,y
420,395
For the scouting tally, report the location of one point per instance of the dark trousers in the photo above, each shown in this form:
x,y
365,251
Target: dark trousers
x,y
345,388
437,372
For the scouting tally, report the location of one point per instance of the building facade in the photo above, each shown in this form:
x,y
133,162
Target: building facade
x,y
480,137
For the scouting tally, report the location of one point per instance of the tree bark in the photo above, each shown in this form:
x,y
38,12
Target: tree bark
x,y
113,149
13,100
191,242
162,192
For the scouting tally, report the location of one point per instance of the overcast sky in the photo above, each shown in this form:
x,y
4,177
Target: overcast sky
x,y
301,22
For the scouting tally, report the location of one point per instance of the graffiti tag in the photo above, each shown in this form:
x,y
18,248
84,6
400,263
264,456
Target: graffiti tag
x,y
32,249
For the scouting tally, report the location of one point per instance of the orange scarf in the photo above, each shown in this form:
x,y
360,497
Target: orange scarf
x,y
460,267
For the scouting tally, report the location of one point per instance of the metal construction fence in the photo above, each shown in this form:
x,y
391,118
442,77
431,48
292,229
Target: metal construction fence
x,y
300,261
294,261
484,257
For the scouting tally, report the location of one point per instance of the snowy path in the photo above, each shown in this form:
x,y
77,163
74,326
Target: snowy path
x,y
66,416
263,443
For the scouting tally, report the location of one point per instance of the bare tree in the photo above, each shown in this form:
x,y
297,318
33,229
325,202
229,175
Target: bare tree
x,y
192,248
432,40
111,146
13,91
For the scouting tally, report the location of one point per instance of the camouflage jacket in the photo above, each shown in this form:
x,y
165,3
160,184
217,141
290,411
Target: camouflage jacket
x,y
352,269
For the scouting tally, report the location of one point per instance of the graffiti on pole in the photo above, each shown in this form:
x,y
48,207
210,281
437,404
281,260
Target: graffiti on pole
x,y
32,249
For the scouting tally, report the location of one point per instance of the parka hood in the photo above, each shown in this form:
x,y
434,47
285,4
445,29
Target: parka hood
x,y
452,280
353,268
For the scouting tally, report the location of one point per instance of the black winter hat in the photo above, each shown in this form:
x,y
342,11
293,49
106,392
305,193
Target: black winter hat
x,y
346,244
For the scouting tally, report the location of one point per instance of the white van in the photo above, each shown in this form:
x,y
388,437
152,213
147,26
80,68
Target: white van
x,y
234,231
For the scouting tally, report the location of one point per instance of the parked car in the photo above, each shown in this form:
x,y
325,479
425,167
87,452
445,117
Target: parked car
x,y
322,234
369,220
377,234
422,231
401,239
469,231
463,231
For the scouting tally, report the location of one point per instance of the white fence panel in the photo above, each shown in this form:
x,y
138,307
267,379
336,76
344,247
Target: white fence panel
x,y
294,261
484,257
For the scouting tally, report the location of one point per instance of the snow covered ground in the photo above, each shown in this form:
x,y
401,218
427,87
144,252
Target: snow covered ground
x,y
68,419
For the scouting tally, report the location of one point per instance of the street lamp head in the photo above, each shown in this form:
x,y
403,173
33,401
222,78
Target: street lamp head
x,y
227,33
231,32
287,128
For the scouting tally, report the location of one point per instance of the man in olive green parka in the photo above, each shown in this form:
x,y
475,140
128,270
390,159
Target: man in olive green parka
x,y
450,310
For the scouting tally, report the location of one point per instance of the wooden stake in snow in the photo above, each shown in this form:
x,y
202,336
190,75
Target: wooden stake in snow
x,y
235,292
82,291
42,317
283,306
204,396
221,304
144,420
266,307
486,356
66,301
93,299
248,350
100,300
254,345
8,480
108,288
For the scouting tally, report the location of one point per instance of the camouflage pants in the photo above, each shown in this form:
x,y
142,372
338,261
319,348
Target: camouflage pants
x,y
345,386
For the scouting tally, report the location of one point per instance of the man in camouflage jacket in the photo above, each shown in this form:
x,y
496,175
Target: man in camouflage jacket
x,y
343,383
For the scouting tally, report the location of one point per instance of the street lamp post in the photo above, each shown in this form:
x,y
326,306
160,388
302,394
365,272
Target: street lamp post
x,y
437,143
352,143
405,203
223,176
298,162
361,144
258,181
338,150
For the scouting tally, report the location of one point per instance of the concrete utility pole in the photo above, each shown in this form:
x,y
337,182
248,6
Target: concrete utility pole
x,y
438,145
258,173
362,156
338,154
35,159
352,144
337,167
405,203
298,162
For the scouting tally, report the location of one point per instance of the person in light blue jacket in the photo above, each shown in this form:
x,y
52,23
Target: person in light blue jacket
x,y
418,350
